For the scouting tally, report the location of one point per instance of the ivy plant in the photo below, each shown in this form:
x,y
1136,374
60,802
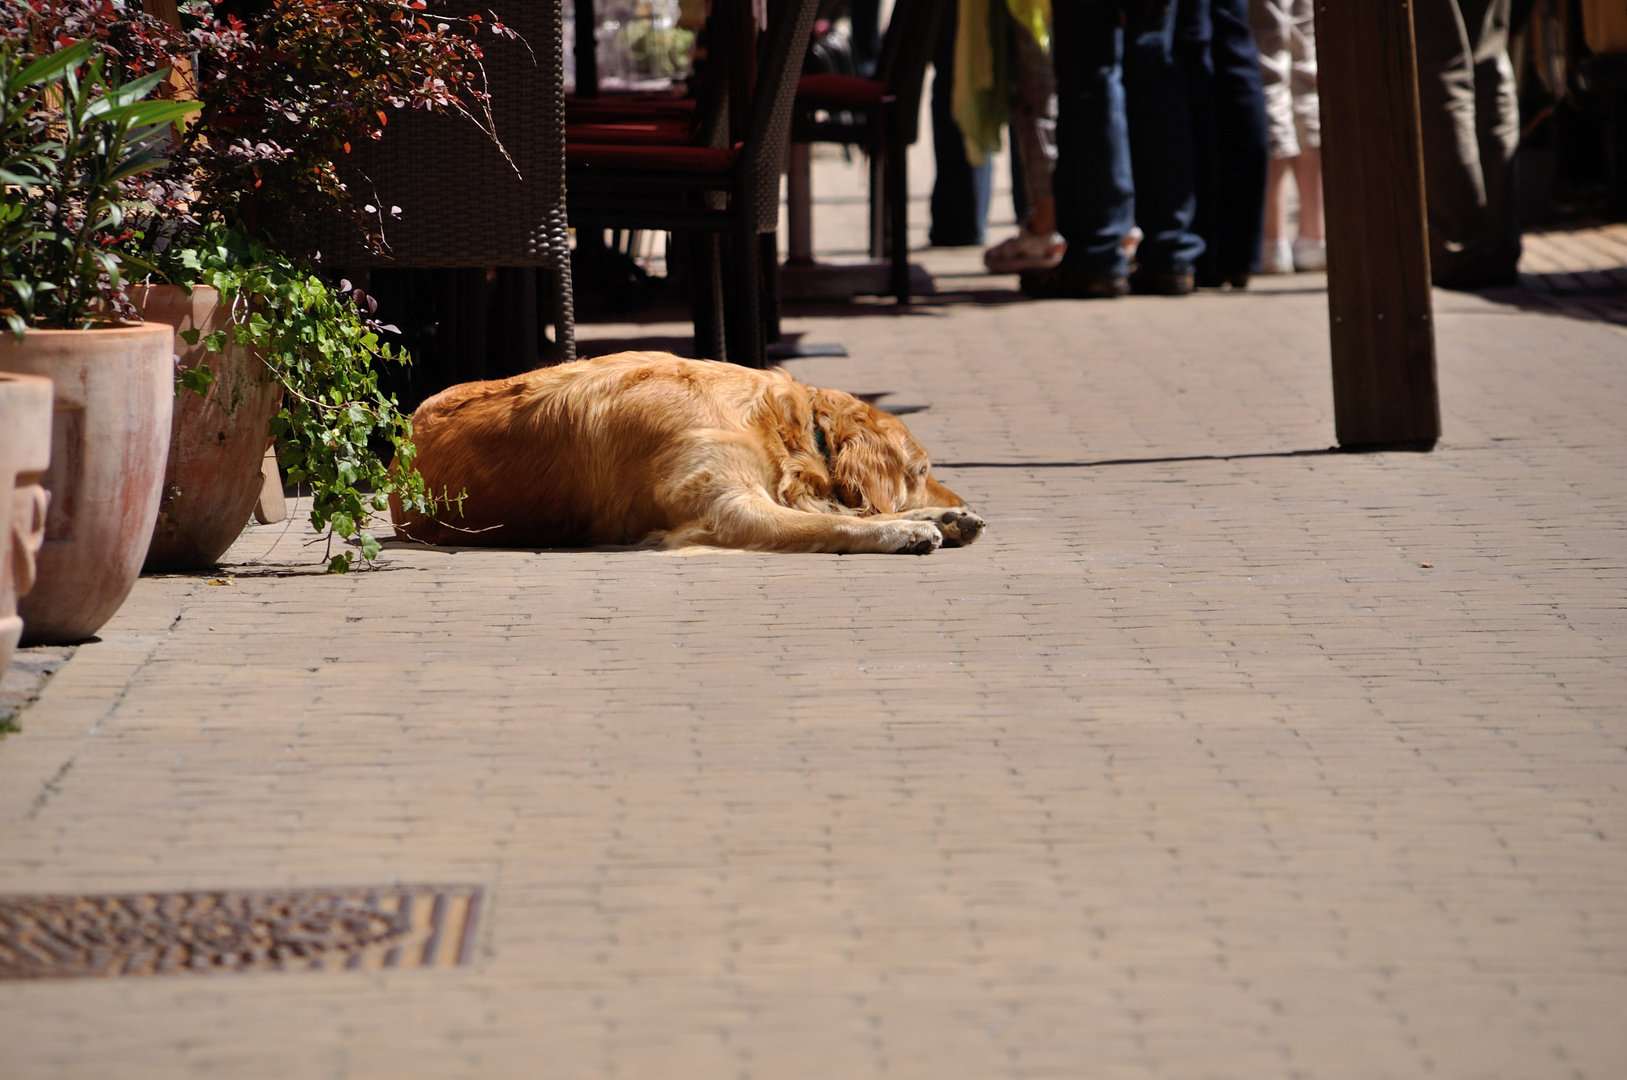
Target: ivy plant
x,y
322,348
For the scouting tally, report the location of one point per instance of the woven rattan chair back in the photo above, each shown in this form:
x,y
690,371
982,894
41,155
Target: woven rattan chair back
x,y
779,63
463,203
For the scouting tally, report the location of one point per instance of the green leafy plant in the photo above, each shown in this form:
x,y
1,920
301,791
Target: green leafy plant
x,y
323,351
70,136
285,87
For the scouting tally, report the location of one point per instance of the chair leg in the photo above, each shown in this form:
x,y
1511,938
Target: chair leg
x,y
769,260
878,199
748,344
562,315
706,296
898,184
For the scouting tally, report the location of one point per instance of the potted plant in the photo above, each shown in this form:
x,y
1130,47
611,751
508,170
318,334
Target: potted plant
x,y
283,88
70,135
25,451
322,349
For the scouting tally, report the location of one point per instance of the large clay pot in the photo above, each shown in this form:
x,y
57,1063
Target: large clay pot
x,y
25,451
217,441
109,435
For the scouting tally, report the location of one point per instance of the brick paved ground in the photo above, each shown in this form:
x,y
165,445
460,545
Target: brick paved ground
x,y
1191,768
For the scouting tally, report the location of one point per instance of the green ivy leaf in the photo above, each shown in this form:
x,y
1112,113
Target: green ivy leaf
x,y
197,380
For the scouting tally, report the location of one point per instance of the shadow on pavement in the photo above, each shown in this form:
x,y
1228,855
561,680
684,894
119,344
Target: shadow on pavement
x,y
1129,461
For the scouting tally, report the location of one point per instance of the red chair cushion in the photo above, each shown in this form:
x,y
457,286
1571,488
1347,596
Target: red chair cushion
x,y
840,91
609,110
688,159
628,133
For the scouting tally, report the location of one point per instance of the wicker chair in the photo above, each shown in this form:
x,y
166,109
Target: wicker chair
x,y
466,209
881,114
713,192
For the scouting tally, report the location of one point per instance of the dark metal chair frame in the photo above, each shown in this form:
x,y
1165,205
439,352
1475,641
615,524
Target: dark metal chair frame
x,y
740,201
885,127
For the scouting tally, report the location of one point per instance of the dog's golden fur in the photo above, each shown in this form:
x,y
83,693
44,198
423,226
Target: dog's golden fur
x,y
649,448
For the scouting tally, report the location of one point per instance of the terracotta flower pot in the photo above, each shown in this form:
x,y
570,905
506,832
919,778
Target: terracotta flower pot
x,y
109,434
25,451
217,441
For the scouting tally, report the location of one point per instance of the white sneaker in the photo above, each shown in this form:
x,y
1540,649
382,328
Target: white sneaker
x,y
1277,257
1025,251
1310,254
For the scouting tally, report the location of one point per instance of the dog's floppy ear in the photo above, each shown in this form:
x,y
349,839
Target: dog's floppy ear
x,y
788,413
862,461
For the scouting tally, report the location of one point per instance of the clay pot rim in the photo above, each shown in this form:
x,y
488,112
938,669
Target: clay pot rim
x,y
196,287
131,329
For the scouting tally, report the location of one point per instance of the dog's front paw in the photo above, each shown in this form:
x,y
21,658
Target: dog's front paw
x,y
959,525
913,537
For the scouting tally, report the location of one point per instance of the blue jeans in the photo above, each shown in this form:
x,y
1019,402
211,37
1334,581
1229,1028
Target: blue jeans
x,y
1124,141
960,191
1226,99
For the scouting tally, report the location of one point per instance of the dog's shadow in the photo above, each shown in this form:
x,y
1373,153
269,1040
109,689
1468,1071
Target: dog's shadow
x,y
396,544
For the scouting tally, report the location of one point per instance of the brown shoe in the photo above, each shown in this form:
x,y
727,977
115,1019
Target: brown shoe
x,y
1145,283
1064,283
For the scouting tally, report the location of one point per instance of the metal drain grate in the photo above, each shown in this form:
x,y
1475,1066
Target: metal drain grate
x,y
45,937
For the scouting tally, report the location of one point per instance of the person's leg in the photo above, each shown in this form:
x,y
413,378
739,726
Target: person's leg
x,y
1276,210
1092,181
960,196
1161,158
1033,150
1194,34
1310,249
865,15
1033,128
1241,141
1497,131
1308,178
1021,208
1454,182
1271,24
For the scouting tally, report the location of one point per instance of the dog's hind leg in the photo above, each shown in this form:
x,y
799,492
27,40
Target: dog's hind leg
x,y
755,522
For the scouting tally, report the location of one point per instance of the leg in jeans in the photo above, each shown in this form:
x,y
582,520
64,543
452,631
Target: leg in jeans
x,y
1160,136
960,193
1241,140
1095,194
1194,36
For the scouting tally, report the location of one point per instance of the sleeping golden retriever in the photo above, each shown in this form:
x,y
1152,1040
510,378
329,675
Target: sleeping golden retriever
x,y
649,448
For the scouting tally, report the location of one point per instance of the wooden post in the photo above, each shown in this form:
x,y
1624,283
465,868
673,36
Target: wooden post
x,y
1383,333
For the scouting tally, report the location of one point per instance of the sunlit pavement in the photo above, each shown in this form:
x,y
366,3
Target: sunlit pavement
x,y
1218,756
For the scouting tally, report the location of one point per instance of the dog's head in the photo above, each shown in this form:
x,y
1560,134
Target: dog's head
x,y
875,464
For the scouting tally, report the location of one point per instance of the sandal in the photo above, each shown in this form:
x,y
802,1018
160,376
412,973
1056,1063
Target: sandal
x,y
1025,251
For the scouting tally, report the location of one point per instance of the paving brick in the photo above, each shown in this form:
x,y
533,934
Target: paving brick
x,y
1188,769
